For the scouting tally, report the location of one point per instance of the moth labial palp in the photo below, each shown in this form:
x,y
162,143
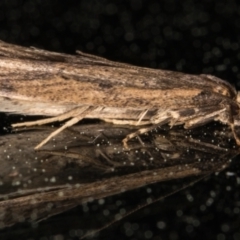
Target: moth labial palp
x,y
70,87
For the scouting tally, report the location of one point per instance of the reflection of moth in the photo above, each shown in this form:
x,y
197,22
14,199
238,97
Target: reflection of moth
x,y
37,82
92,164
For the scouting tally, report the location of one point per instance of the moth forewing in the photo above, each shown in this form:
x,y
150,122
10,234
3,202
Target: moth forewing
x,y
85,86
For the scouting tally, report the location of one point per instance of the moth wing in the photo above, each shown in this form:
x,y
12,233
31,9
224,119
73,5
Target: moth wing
x,y
137,77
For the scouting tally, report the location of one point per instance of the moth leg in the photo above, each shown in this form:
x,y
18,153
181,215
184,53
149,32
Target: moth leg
x,y
137,122
126,122
143,130
135,134
222,115
172,117
161,117
69,123
62,117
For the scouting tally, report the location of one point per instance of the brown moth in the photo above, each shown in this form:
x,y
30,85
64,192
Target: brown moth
x,y
38,82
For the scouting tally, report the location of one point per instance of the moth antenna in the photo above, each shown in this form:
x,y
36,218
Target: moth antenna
x,y
91,233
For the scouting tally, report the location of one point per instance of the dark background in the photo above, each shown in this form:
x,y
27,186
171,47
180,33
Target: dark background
x,y
188,36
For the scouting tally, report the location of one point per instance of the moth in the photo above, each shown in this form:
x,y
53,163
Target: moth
x,y
66,87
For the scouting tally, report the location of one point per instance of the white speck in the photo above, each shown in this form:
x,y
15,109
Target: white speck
x,y
17,183
53,179
118,216
228,188
238,180
179,213
213,194
60,194
161,225
190,197
122,211
209,202
106,212
101,201
230,174
149,190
